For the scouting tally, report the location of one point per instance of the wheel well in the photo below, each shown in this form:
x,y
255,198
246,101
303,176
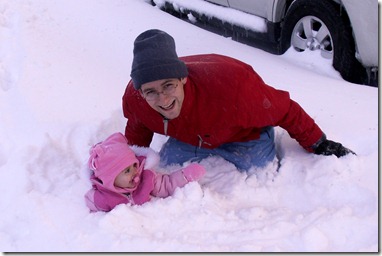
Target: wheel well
x,y
288,3
336,3
345,57
341,9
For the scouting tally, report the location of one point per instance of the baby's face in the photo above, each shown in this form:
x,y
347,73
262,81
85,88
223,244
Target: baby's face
x,y
127,178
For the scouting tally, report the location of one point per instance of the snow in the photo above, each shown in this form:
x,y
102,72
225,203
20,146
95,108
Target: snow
x,y
64,66
232,16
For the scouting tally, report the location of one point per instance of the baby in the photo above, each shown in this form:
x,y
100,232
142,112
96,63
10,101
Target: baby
x,y
121,177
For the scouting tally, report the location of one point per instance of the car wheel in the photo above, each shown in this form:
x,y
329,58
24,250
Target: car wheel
x,y
321,25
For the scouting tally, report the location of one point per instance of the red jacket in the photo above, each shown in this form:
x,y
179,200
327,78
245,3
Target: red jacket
x,y
225,101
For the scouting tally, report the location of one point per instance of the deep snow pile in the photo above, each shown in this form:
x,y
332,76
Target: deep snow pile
x,y
64,66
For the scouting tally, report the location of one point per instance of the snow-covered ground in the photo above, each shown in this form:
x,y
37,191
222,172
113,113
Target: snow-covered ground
x,y
64,65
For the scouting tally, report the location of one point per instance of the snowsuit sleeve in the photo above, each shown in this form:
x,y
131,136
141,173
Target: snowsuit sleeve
x,y
102,200
166,184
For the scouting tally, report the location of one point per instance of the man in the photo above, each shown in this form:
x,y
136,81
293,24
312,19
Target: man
x,y
210,105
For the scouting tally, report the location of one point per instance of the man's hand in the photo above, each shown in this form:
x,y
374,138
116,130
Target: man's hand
x,y
328,147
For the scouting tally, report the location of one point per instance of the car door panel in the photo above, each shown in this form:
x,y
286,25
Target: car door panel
x,y
258,7
219,2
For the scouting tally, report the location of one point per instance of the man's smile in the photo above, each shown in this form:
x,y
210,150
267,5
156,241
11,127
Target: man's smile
x,y
169,106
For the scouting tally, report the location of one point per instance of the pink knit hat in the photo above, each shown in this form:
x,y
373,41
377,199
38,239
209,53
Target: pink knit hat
x,y
109,157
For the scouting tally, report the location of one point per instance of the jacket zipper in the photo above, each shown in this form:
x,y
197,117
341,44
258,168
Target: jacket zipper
x,y
165,125
201,141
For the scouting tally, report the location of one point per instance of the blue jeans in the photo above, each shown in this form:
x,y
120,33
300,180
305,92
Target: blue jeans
x,y
243,155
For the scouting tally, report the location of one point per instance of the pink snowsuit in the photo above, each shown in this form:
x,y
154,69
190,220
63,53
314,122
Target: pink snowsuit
x,y
108,158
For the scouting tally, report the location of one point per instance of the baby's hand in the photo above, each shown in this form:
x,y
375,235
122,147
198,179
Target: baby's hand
x,y
194,172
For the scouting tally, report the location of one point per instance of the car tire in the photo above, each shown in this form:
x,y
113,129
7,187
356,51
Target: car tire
x,y
340,33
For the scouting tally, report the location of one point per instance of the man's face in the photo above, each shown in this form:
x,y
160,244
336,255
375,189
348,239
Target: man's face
x,y
165,96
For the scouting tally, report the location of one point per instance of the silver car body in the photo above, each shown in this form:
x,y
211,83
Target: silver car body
x,y
363,16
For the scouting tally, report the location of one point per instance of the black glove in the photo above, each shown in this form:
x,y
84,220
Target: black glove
x,y
328,147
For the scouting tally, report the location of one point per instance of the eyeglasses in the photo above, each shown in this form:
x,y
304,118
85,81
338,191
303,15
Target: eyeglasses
x,y
153,95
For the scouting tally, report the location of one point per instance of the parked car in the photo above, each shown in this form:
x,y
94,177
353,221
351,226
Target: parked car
x,y
345,31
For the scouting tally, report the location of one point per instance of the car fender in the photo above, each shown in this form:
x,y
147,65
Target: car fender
x,y
364,20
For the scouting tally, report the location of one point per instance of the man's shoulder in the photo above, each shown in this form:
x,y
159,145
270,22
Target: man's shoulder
x,y
217,67
131,93
214,63
208,58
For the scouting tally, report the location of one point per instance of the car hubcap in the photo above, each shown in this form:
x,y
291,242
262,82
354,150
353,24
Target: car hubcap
x,y
311,33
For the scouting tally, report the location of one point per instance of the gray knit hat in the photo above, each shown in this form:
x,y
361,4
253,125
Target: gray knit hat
x,y
155,58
